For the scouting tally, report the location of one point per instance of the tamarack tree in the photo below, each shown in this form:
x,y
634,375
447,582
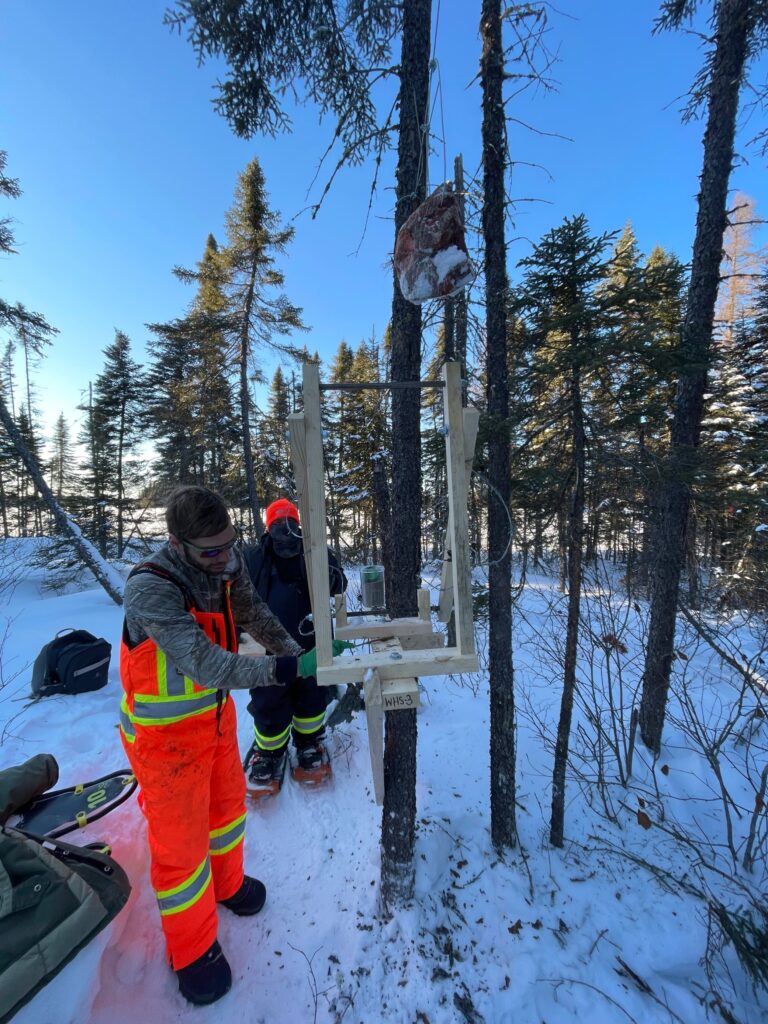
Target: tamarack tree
x,y
740,34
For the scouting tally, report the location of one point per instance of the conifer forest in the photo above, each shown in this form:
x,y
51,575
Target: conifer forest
x,y
618,496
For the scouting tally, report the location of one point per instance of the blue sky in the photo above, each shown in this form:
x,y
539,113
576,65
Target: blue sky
x,y
126,168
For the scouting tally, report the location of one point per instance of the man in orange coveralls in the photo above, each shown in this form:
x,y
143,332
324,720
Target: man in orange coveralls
x,y
178,661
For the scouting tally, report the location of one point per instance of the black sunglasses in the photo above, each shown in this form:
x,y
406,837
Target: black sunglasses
x,y
210,552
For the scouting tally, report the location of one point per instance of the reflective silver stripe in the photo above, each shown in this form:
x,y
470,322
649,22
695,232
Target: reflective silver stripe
x,y
172,901
171,682
126,724
308,725
91,668
159,710
177,683
223,839
272,742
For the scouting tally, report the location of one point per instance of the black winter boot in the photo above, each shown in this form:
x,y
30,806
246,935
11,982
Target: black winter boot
x,y
206,979
249,898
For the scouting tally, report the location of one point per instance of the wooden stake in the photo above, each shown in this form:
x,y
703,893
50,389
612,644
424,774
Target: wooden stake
x,y
316,517
374,714
455,460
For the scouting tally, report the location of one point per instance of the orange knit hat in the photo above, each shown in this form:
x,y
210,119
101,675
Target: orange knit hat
x,y
281,509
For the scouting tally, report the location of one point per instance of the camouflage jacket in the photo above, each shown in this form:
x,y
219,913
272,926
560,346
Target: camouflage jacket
x,y
154,608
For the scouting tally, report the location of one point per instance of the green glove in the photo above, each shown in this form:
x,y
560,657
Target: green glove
x,y
307,662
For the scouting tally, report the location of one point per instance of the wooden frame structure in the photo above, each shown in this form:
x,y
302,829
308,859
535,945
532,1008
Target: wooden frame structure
x,y
406,648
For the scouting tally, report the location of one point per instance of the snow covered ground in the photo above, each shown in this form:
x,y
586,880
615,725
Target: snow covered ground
x,y
543,936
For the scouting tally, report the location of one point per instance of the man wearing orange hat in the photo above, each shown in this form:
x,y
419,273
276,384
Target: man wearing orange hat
x,y
279,575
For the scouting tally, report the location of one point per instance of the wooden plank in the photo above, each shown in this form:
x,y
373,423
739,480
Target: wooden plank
x,y
341,610
422,641
400,695
423,599
471,419
455,459
351,667
298,437
316,517
382,630
374,715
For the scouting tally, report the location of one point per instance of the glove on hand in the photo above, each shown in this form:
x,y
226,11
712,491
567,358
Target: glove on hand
x,y
307,662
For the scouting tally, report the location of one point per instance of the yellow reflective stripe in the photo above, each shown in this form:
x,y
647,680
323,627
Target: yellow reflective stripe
x,y
272,742
153,698
173,901
226,838
162,674
126,725
308,725
225,828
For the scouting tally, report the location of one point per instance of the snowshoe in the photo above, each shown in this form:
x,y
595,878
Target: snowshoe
x,y
264,772
312,766
61,811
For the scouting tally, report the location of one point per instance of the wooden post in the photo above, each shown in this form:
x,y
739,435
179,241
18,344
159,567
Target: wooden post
x,y
455,460
385,696
374,714
298,437
471,418
341,610
317,556
422,596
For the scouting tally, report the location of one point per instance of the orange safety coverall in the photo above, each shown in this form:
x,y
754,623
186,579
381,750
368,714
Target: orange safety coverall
x,y
181,741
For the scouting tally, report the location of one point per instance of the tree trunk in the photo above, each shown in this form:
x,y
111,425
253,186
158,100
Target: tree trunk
x,y
692,562
735,23
502,710
120,486
460,311
398,823
575,542
538,540
103,572
562,544
245,408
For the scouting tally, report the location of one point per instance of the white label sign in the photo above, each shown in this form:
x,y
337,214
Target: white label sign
x,y
400,700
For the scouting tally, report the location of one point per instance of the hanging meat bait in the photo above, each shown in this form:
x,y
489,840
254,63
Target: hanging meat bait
x,y
431,258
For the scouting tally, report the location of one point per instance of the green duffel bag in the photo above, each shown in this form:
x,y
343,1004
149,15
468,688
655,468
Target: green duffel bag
x,y
54,897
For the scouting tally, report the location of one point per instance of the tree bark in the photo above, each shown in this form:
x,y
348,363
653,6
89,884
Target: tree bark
x,y
575,546
460,311
103,572
502,707
735,24
398,824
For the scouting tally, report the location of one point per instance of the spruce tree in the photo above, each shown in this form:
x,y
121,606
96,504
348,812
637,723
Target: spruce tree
x,y
171,402
117,401
337,408
268,46
569,317
259,312
61,464
191,406
274,475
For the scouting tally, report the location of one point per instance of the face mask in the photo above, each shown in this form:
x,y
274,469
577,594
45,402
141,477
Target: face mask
x,y
286,539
